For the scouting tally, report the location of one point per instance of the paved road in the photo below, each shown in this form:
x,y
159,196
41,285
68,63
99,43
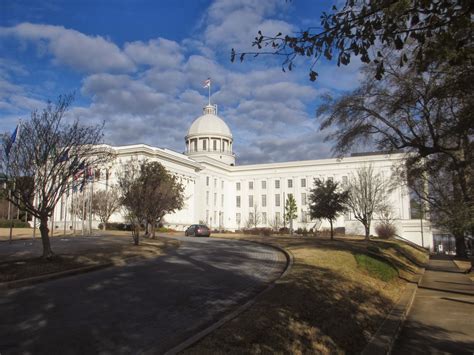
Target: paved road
x,y
149,306
441,320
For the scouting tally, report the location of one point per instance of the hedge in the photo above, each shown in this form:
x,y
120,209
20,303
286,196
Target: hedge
x,y
5,223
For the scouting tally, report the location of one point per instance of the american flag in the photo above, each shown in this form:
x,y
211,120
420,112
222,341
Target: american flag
x,y
207,83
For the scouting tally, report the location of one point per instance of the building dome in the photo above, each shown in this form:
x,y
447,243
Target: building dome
x,y
209,124
210,136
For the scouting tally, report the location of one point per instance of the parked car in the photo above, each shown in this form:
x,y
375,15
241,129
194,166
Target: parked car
x,y
197,230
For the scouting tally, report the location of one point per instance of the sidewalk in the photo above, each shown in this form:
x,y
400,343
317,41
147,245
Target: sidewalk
x,y
441,319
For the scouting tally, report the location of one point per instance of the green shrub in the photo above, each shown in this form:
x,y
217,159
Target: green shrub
x,y
5,223
117,226
165,230
258,231
376,268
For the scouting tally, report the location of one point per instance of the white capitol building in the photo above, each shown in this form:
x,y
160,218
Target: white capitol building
x,y
226,196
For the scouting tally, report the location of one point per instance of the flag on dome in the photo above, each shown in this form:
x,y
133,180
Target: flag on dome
x,y
207,83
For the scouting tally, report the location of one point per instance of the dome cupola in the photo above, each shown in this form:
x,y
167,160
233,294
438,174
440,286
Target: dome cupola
x,y
210,136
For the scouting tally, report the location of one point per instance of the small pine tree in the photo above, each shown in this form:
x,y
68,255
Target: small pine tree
x,y
291,211
327,202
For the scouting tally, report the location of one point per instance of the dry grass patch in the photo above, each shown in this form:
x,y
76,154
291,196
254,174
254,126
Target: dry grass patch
x,y
327,303
117,253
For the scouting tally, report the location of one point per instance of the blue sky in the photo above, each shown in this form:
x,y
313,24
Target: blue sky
x,y
139,65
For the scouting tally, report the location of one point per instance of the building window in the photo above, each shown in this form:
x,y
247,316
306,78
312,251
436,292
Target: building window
x,y
215,199
207,216
290,183
303,199
250,185
264,200
277,218
277,200
215,144
344,180
251,218
264,184
204,144
277,184
207,197
250,200
303,182
264,217
195,144
222,184
207,180
237,186
237,201
222,200
215,217
238,218
215,182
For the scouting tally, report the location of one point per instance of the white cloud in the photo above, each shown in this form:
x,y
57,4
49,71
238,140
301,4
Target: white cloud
x,y
234,24
73,48
160,53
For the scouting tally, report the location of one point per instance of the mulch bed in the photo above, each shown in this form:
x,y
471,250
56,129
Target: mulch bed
x,y
21,269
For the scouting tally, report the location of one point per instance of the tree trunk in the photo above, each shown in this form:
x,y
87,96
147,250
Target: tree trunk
x,y
460,246
136,234
47,252
332,231
291,227
367,231
153,230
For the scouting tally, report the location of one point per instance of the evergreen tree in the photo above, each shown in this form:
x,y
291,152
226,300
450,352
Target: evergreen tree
x,y
327,201
291,211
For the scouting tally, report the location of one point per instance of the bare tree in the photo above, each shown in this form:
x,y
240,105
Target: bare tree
x,y
441,197
42,162
368,193
105,203
274,223
257,216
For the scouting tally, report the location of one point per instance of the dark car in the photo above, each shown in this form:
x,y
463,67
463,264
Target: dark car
x,y
198,230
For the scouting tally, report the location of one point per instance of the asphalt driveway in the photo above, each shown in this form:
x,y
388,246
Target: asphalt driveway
x,y
150,306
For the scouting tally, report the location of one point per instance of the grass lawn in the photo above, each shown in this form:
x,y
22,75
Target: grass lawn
x,y
96,253
332,301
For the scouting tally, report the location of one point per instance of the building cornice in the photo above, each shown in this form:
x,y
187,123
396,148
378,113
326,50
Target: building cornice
x,y
154,152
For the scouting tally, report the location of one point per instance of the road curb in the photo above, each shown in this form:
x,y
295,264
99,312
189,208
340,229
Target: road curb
x,y
383,340
198,336
38,279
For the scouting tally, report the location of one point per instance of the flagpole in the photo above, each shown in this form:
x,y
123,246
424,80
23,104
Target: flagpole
x,y
10,214
65,213
83,210
209,87
73,210
90,203
34,219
